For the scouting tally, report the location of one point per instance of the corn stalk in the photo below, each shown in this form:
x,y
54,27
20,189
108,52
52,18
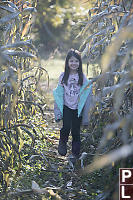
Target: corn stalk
x,y
108,42
20,71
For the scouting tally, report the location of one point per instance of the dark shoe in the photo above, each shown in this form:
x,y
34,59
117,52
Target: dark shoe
x,y
76,148
62,148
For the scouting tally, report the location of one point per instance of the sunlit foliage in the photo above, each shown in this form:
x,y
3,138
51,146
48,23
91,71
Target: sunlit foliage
x,y
108,38
20,73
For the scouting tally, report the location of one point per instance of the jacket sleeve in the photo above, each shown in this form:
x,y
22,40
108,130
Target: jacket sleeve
x,y
87,107
57,113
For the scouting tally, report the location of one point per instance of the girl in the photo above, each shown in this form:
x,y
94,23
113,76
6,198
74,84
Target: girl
x,y
72,102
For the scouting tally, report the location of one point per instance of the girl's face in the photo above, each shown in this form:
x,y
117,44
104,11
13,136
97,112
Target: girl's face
x,y
73,64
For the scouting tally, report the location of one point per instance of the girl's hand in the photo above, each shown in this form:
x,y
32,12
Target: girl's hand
x,y
57,120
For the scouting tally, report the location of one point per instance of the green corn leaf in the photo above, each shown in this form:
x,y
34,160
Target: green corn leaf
x,y
9,17
7,59
7,8
28,132
28,10
4,75
18,44
10,3
18,53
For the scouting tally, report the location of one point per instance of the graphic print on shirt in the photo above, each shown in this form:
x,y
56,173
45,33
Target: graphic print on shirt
x,y
72,88
71,92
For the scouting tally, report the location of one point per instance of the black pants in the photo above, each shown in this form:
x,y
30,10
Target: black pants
x,y
71,122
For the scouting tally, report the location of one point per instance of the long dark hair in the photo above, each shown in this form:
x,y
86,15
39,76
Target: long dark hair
x,y
77,55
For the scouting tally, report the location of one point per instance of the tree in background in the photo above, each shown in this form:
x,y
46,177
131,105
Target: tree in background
x,y
58,22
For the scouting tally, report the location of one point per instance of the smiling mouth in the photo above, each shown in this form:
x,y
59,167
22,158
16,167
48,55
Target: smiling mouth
x,y
74,66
